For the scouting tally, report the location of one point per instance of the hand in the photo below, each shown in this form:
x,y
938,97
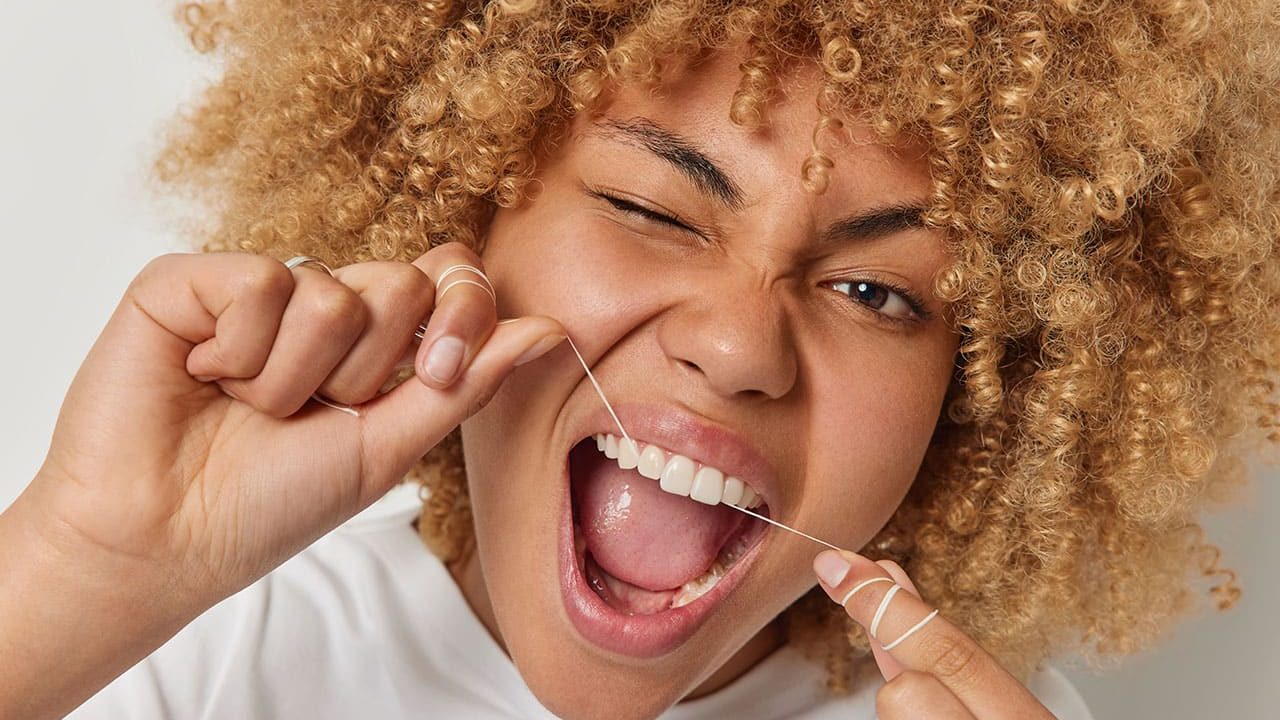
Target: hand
x,y
156,473
937,671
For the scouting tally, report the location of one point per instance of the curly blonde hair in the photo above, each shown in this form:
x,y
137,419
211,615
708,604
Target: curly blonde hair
x,y
1107,173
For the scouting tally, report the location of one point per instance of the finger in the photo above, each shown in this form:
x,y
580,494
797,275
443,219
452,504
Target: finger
x,y
398,296
158,336
244,294
400,427
913,695
936,647
320,323
889,666
464,315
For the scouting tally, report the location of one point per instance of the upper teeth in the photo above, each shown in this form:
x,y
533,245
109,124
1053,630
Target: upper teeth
x,y
678,474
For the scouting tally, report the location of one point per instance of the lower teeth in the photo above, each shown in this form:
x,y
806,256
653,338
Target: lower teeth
x,y
702,584
698,586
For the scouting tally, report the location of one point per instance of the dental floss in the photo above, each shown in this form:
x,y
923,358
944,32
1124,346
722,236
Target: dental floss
x,y
775,523
636,449
343,408
609,406
874,630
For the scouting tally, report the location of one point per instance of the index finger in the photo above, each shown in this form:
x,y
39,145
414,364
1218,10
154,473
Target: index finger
x,y
921,640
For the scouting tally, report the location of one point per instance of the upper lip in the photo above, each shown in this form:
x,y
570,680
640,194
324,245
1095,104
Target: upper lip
x,y
684,433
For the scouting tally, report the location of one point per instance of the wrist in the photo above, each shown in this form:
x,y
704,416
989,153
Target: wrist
x,y
76,613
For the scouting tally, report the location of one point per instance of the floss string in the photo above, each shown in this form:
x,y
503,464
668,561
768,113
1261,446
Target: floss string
x,y
636,449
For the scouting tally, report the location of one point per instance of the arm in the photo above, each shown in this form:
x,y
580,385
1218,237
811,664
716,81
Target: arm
x,y
187,462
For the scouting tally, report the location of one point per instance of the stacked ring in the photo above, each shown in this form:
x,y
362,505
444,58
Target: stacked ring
x,y
487,286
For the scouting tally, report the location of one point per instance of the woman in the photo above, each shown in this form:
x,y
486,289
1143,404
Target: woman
x,y
984,293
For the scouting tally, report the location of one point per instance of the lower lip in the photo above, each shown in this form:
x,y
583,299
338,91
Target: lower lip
x,y
637,636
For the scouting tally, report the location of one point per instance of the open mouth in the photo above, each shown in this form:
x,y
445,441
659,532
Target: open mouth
x,y
650,546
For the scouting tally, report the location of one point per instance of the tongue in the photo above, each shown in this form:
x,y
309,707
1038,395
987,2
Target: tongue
x,y
637,532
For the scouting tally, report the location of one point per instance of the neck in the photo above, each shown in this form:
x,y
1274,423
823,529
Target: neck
x,y
467,574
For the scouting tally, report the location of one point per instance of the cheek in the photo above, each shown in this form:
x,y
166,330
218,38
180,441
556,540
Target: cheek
x,y
869,440
547,261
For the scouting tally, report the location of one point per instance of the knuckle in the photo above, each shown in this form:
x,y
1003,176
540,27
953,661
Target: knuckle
x,y
338,305
156,267
265,276
406,285
901,693
952,658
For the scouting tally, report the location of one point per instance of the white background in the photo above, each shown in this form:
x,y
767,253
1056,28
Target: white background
x,y
86,87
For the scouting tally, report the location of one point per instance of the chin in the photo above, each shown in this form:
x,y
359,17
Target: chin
x,y
619,575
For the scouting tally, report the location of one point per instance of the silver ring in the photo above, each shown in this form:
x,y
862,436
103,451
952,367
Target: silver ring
x,y
297,260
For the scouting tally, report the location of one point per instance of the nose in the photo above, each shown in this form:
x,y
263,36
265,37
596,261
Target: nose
x,y
737,339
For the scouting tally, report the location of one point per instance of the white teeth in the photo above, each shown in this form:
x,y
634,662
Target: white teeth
x,y
628,456
678,474
652,460
732,494
698,586
708,486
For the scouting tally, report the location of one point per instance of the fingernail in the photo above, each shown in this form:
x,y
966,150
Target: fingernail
x,y
831,567
444,358
204,378
542,347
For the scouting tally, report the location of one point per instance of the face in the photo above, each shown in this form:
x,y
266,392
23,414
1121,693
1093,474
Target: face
x,y
744,327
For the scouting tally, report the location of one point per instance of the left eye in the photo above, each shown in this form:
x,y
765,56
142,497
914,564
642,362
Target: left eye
x,y
644,213
884,300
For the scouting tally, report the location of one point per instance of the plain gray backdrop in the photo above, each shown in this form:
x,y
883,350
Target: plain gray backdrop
x,y
86,87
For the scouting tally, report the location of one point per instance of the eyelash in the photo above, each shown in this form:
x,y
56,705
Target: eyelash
x,y
630,208
918,309
914,302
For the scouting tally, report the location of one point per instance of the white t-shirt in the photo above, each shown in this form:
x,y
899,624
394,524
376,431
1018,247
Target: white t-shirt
x,y
367,623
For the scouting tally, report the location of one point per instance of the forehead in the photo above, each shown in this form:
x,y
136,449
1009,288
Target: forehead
x,y
693,101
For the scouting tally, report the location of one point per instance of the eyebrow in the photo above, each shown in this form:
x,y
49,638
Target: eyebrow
x,y
711,180
876,223
678,151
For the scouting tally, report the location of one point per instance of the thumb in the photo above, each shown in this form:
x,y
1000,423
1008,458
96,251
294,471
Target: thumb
x,y
401,426
889,667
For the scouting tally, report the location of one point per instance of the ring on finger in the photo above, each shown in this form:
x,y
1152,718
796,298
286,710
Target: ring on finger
x,y
463,281
463,267
303,260
421,332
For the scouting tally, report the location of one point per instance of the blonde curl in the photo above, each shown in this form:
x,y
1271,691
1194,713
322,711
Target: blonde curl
x,y
1105,172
